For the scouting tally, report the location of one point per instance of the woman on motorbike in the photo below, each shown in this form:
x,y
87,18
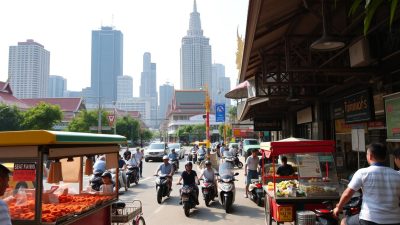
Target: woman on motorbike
x,y
190,178
209,174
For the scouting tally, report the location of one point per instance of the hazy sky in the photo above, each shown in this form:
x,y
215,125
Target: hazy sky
x,y
156,26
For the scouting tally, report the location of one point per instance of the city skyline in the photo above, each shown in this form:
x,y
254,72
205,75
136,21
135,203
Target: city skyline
x,y
70,54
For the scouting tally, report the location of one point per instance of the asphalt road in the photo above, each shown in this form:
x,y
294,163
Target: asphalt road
x,y
244,211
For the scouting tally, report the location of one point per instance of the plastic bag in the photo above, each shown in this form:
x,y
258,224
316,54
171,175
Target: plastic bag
x,y
21,197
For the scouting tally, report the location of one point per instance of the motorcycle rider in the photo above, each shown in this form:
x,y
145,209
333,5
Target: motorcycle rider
x,y
209,174
166,168
173,156
190,178
100,164
130,160
201,152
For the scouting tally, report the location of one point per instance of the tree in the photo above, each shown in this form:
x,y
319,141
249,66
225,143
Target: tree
x,y
232,112
10,118
129,127
146,135
370,7
43,116
199,131
87,119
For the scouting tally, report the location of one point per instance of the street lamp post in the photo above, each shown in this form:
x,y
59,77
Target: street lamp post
x,y
115,117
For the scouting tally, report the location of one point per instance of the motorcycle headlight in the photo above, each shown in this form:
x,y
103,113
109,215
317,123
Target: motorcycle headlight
x,y
226,187
226,180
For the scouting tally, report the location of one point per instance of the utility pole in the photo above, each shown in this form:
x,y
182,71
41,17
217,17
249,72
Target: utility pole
x,y
99,116
207,104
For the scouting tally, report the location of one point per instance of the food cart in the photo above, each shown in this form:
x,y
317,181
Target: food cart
x,y
314,181
64,195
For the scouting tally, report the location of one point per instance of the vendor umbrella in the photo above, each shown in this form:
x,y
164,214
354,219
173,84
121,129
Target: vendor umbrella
x,y
240,91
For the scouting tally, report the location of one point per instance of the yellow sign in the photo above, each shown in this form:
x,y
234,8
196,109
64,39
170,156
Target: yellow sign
x,y
285,213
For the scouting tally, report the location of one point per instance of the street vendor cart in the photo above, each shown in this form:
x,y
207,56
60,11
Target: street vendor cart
x,y
62,194
313,182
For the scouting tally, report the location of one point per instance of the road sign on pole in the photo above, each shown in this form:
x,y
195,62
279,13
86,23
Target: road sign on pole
x,y
220,112
111,118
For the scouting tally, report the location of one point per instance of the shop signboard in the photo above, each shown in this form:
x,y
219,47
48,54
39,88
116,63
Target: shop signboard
x,y
263,124
24,172
358,107
392,109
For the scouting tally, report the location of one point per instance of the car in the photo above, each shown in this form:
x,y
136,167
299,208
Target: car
x,y
178,149
155,151
249,145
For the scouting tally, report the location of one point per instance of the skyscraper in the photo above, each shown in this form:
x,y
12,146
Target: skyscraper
x,y
28,69
195,56
148,86
166,93
124,87
218,71
107,64
57,86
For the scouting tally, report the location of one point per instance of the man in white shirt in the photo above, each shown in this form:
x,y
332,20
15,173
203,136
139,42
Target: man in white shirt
x,y
139,159
251,168
4,212
209,174
381,191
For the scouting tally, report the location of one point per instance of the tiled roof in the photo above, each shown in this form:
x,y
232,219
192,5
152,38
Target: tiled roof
x,y
66,104
7,97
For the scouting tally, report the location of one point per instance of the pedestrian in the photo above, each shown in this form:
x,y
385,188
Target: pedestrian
x,y
381,191
139,158
251,169
396,154
4,212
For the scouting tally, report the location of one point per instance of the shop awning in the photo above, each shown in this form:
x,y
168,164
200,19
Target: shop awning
x,y
239,92
248,106
44,137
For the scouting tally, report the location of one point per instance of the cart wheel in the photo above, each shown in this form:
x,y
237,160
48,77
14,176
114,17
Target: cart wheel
x,y
140,221
267,212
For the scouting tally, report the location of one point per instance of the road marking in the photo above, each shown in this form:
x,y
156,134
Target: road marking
x,y
158,209
148,178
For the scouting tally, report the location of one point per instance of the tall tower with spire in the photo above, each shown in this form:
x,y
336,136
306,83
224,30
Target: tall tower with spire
x,y
195,52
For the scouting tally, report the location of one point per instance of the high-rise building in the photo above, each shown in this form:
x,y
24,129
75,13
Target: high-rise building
x,y
224,86
107,64
137,104
57,86
28,69
166,93
195,56
218,71
148,87
124,87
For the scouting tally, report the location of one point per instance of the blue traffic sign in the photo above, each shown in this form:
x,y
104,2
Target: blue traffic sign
x,y
220,112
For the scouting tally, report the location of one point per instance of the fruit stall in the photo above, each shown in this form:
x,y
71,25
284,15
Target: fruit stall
x,y
52,171
313,179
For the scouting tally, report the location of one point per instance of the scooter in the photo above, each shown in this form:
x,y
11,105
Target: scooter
x,y
226,186
237,162
132,175
121,180
208,190
256,192
187,197
192,156
201,156
162,187
95,180
175,164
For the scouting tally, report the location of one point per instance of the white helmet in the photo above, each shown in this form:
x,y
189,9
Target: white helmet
x,y
165,157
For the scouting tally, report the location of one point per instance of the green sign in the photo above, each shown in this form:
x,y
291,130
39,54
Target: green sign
x,y
392,109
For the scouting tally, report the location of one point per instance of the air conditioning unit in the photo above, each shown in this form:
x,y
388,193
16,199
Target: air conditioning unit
x,y
359,53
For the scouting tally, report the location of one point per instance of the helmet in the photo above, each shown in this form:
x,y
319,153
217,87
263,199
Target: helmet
x,y
208,162
188,164
165,157
173,149
106,174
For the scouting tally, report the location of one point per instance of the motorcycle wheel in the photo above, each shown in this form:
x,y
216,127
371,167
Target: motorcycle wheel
x,y
186,208
137,180
159,195
128,182
140,221
227,204
240,165
207,200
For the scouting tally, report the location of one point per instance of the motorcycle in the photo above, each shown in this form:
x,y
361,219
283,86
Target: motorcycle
x,y
132,175
256,192
201,156
226,185
95,180
192,156
208,190
175,164
162,187
237,162
121,179
188,199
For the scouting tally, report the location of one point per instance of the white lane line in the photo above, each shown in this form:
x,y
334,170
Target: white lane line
x,y
158,209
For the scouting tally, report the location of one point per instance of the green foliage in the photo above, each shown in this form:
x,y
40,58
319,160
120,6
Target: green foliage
x,y
370,8
221,129
10,118
232,112
43,116
86,119
128,127
147,135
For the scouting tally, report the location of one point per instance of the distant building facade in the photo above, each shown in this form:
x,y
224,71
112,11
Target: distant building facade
x,y
148,87
124,87
28,69
57,86
166,92
195,54
107,64
136,104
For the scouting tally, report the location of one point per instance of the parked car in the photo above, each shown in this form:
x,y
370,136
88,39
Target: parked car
x,y
155,151
249,145
178,149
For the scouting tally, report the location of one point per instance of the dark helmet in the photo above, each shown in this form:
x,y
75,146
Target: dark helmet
x,y
106,174
173,149
208,162
188,164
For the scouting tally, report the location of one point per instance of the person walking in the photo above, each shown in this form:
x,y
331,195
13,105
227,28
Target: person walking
x,y
381,191
251,169
139,159
5,218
